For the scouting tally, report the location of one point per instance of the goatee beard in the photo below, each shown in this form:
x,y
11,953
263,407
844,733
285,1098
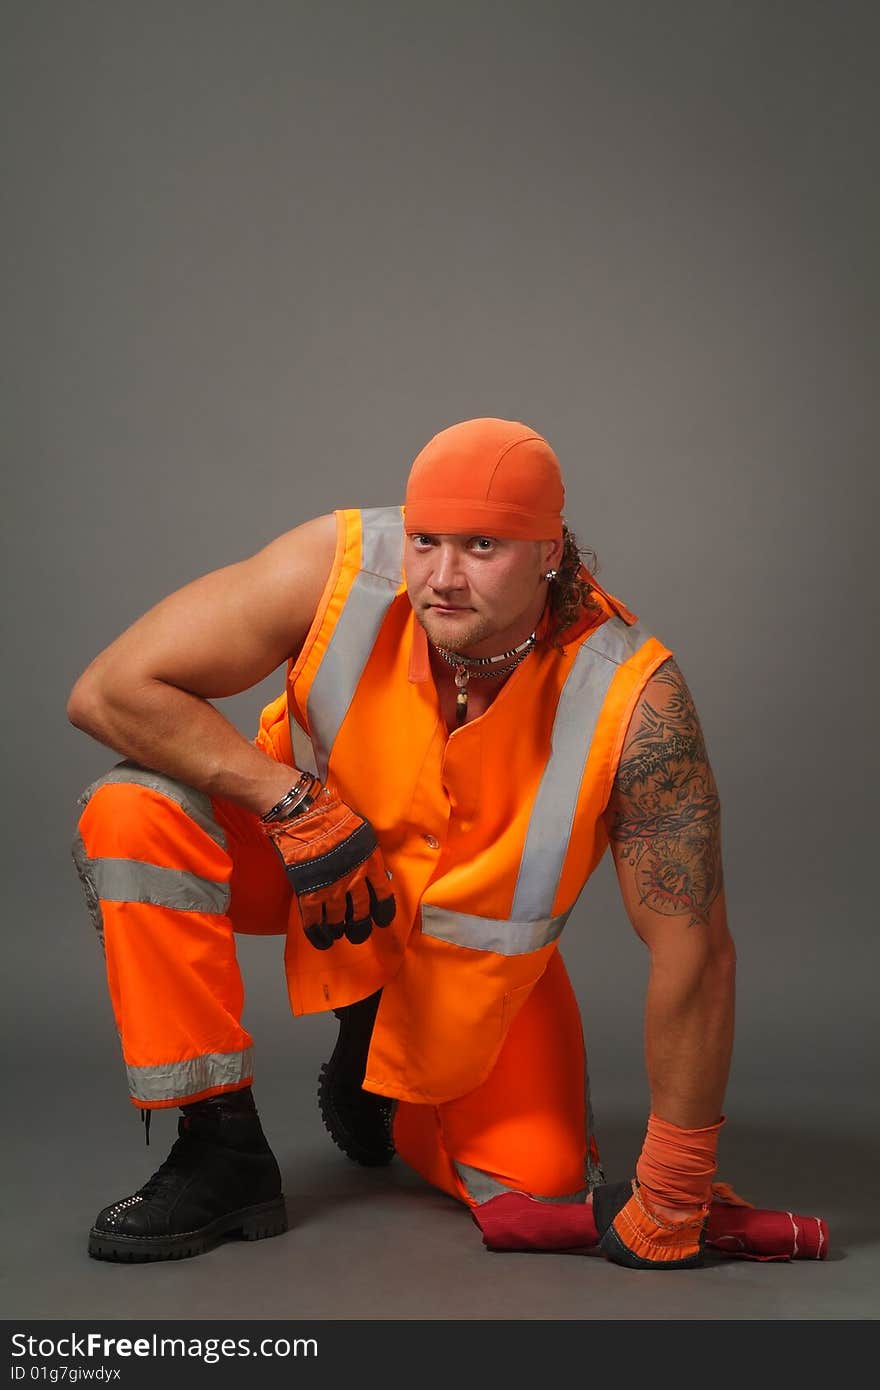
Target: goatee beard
x,y
456,634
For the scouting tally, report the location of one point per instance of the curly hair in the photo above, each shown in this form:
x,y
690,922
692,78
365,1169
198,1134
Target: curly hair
x,y
569,591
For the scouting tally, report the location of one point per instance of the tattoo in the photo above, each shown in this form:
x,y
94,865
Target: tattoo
x,y
665,813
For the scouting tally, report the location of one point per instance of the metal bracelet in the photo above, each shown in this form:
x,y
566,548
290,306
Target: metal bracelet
x,y
291,799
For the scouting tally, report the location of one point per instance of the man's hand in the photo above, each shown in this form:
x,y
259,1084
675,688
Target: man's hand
x,y
335,867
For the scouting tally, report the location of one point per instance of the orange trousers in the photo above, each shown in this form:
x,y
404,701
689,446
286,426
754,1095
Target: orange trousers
x,y
170,875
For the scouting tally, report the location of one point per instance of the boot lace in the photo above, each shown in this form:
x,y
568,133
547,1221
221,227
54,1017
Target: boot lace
x,y
184,1158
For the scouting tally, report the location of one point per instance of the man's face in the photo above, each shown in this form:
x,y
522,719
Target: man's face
x,y
474,593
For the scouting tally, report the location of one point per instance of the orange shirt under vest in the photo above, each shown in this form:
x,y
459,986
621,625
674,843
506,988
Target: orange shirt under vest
x,y
489,833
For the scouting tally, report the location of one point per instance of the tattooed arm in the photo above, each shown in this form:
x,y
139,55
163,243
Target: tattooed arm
x,y
663,822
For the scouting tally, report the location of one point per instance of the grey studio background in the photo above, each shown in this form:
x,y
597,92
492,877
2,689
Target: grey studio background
x,y
257,255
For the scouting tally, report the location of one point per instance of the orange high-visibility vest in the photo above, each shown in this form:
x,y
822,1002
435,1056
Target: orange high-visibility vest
x,y
490,833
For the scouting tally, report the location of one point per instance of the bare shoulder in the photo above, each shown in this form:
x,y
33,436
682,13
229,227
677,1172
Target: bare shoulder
x,y
229,628
301,558
281,585
663,816
310,541
262,605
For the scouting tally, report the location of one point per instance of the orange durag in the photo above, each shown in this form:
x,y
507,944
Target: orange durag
x,y
676,1165
486,477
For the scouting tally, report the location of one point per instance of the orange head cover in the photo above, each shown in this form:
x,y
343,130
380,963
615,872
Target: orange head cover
x,y
486,477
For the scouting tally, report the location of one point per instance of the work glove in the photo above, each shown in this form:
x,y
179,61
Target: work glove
x,y
335,867
631,1234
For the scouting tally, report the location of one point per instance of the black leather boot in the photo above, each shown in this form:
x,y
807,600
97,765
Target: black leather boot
x,y
220,1179
357,1120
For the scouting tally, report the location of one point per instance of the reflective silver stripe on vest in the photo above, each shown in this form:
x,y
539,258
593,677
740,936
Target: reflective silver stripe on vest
x,y
617,641
84,868
301,744
354,635
481,1187
133,881
577,714
194,803
580,703
177,1080
506,938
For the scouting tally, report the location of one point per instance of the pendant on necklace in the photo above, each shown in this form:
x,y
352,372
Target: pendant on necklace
x,y
461,696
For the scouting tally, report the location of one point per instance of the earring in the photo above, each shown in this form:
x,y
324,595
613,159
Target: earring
x,y
551,574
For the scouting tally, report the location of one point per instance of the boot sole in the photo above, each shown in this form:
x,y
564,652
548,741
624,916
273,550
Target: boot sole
x,y
341,1136
250,1223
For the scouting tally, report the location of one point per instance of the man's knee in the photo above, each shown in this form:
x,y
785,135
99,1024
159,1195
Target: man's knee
x,y
131,802
145,837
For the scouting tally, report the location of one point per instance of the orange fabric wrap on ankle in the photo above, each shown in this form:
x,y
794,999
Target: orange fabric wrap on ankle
x,y
676,1165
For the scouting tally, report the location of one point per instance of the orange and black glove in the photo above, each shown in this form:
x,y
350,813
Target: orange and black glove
x,y
335,867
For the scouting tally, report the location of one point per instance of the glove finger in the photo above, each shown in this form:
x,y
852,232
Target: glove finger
x,y
382,910
357,929
320,931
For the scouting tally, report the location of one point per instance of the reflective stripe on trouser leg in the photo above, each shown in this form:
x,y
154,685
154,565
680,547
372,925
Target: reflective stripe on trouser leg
x,y
157,860
525,1127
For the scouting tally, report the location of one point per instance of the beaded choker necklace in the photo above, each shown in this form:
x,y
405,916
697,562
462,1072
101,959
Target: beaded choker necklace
x,y
476,666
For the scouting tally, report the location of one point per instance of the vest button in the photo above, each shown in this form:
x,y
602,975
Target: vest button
x,y
431,841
